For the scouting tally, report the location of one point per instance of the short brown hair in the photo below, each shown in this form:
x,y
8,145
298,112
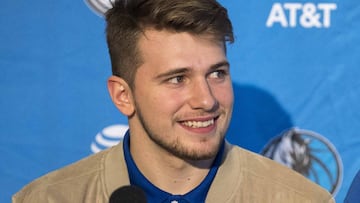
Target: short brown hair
x,y
128,19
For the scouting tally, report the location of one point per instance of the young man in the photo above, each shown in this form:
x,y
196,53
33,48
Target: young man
x,y
171,79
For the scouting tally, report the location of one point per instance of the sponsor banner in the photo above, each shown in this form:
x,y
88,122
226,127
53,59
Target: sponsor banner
x,y
307,15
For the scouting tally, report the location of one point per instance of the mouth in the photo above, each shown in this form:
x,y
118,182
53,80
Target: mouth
x,y
199,123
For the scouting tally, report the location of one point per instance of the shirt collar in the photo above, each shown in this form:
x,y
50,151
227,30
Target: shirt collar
x,y
154,194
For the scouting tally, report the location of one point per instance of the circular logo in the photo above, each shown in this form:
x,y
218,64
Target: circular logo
x,y
108,137
100,6
310,154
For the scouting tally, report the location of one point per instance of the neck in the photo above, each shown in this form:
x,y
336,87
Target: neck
x,y
166,171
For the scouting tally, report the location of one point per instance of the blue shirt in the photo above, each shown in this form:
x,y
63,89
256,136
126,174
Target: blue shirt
x,y
156,195
353,195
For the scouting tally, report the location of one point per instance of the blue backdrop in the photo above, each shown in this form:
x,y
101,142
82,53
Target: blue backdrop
x,y
294,64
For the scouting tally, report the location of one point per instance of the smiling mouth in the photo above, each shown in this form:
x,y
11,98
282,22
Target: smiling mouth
x,y
199,124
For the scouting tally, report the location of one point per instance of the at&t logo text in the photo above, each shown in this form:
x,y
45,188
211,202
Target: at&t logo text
x,y
308,15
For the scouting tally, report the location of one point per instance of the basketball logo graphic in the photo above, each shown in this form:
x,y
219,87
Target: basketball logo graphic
x,y
310,154
100,6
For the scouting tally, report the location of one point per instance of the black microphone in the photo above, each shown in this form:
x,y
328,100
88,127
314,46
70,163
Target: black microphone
x,y
128,194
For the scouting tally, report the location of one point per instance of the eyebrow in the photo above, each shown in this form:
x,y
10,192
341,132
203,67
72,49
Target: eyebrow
x,y
185,70
172,72
220,64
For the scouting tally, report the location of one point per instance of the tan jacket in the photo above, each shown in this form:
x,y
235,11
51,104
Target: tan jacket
x,y
243,177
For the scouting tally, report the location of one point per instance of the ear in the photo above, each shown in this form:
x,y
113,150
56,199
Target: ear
x,y
121,95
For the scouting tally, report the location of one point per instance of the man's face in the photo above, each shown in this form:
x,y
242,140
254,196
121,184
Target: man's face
x,y
182,93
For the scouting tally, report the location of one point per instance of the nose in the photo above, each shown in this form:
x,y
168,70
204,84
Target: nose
x,y
202,97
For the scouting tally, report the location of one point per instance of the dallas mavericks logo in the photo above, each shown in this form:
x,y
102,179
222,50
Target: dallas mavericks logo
x,y
310,154
108,137
100,6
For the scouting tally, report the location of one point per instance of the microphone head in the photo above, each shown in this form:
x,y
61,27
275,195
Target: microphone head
x,y
128,194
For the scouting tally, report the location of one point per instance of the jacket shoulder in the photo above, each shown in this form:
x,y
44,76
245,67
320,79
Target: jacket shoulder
x,y
272,180
67,180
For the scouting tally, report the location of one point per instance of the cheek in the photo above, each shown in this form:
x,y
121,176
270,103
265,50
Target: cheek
x,y
225,95
172,100
163,102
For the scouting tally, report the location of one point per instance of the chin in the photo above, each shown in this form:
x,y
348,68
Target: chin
x,y
200,152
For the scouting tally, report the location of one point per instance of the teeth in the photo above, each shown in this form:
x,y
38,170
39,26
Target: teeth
x,y
198,124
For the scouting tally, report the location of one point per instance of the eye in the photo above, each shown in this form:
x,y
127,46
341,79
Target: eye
x,y
218,74
176,80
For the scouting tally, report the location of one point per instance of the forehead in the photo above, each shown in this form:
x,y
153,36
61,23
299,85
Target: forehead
x,y
164,37
180,48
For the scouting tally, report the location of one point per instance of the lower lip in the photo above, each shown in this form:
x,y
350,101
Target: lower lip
x,y
204,130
